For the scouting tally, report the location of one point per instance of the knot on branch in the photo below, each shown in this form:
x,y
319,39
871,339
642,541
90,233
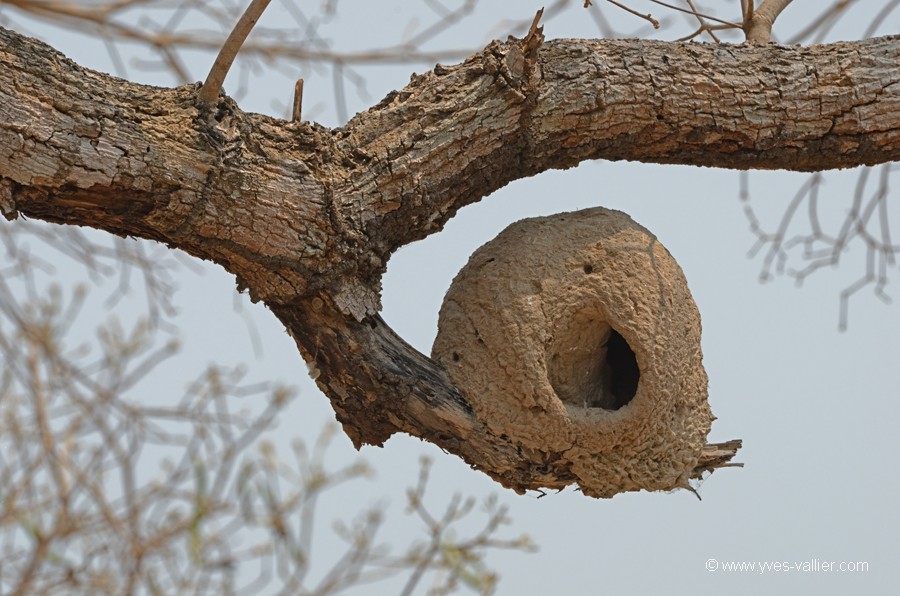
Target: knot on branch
x,y
516,61
575,335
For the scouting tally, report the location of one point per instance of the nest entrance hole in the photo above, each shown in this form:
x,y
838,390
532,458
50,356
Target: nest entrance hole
x,y
592,366
625,372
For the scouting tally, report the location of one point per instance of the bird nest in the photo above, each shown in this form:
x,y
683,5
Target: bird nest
x,y
575,335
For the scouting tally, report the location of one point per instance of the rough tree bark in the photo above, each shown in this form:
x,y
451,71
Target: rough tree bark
x,y
307,217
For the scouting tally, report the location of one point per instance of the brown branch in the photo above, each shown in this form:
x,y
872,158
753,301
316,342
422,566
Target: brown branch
x,y
70,16
747,8
880,17
647,17
697,14
704,26
534,31
822,23
306,217
210,90
717,455
707,29
297,107
760,29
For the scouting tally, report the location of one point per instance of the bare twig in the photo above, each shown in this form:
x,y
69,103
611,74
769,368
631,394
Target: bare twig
x,y
80,509
708,29
879,18
823,23
866,222
704,26
298,101
210,90
534,31
697,14
717,455
647,17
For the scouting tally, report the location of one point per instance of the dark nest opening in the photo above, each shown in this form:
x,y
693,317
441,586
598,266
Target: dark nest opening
x,y
592,366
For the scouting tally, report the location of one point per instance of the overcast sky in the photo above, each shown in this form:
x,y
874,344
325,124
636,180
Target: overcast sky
x,y
817,408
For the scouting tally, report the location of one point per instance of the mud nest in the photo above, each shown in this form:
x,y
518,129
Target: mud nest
x,y
576,337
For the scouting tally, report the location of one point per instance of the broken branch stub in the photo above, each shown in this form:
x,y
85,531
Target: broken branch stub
x,y
575,335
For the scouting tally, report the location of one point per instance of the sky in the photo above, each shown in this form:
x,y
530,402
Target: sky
x,y
817,408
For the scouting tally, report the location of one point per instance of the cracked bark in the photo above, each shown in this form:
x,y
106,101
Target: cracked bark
x,y
306,217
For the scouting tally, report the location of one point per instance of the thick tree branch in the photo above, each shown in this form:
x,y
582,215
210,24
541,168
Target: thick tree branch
x,y
307,217
456,134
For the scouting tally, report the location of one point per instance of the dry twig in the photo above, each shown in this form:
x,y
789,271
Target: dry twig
x,y
213,84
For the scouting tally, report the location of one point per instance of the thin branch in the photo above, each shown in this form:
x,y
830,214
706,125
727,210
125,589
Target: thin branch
x,y
823,23
747,7
646,17
696,14
298,101
210,90
879,18
704,26
822,249
708,29
535,31
760,26
770,9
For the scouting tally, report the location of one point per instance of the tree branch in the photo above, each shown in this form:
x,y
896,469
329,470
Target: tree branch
x,y
699,15
739,107
306,217
210,90
758,28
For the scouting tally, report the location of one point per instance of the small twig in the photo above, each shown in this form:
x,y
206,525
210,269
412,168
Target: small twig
x,y
696,14
708,29
880,18
717,455
647,17
822,23
534,30
210,90
535,37
298,100
704,26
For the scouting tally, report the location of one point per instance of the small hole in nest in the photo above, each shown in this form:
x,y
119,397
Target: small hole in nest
x,y
588,268
455,357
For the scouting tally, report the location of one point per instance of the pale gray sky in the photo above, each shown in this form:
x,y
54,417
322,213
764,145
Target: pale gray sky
x,y
817,409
